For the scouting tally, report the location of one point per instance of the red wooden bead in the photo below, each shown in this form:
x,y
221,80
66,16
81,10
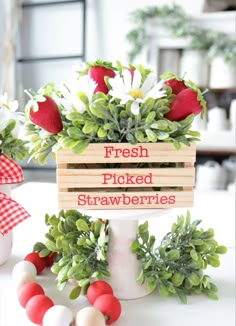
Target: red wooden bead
x,y
110,306
38,262
37,307
98,288
27,291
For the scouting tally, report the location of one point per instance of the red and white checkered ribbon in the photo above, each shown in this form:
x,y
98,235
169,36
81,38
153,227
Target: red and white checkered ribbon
x,y
11,213
10,171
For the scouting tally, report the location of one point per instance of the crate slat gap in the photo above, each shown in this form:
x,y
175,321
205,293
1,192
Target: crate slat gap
x,y
100,185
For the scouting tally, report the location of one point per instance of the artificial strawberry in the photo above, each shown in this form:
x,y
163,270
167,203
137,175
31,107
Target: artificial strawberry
x,y
176,85
97,73
47,116
186,102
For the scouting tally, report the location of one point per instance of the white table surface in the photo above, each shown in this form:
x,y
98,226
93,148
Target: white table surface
x,y
151,310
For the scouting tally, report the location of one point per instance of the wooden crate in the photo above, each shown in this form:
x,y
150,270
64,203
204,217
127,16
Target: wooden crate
x,y
125,176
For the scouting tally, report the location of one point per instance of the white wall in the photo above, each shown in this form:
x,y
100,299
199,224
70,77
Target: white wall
x,y
108,23
114,24
2,29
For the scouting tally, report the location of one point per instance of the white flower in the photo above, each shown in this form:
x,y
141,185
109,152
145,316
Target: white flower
x,y
131,89
71,100
8,112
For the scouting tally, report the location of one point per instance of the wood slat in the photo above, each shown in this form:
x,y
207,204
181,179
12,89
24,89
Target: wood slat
x,y
150,152
69,200
94,178
84,186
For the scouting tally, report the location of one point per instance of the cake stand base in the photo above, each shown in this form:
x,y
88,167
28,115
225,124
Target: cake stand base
x,y
123,264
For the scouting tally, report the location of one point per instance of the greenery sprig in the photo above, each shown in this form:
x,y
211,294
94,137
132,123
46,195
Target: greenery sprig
x,y
81,247
14,148
176,266
179,24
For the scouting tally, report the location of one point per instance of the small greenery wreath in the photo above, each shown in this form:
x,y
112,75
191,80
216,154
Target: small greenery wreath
x,y
179,24
175,267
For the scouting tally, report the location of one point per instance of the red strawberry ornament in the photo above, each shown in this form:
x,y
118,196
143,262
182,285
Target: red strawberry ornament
x,y
50,259
185,103
110,307
47,116
97,73
39,262
176,85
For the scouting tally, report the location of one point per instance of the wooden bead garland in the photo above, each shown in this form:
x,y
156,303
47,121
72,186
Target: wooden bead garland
x,y
41,310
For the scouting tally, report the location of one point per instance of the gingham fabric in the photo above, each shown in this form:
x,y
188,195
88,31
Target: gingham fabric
x,y
11,213
10,171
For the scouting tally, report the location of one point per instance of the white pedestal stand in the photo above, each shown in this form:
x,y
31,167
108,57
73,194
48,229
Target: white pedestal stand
x,y
123,264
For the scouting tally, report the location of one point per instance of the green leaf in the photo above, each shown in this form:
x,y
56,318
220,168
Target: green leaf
x,y
213,260
38,246
44,253
221,250
80,146
99,109
55,268
82,225
152,137
148,264
177,279
90,127
150,117
75,292
62,275
182,296
163,290
194,255
134,246
84,282
51,245
74,133
173,255
151,284
194,279
101,132
212,295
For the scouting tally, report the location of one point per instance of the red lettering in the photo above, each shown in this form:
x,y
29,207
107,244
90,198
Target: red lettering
x,y
106,177
114,200
138,151
81,200
126,153
163,200
171,200
135,200
126,199
108,151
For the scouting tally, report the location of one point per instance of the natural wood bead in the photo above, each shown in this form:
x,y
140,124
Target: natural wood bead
x,y
90,317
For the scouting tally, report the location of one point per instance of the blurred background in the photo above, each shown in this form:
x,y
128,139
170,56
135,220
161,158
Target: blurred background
x,y
41,40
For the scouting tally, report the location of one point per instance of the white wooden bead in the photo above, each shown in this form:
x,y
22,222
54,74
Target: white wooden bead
x,y
58,316
23,278
22,267
90,317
